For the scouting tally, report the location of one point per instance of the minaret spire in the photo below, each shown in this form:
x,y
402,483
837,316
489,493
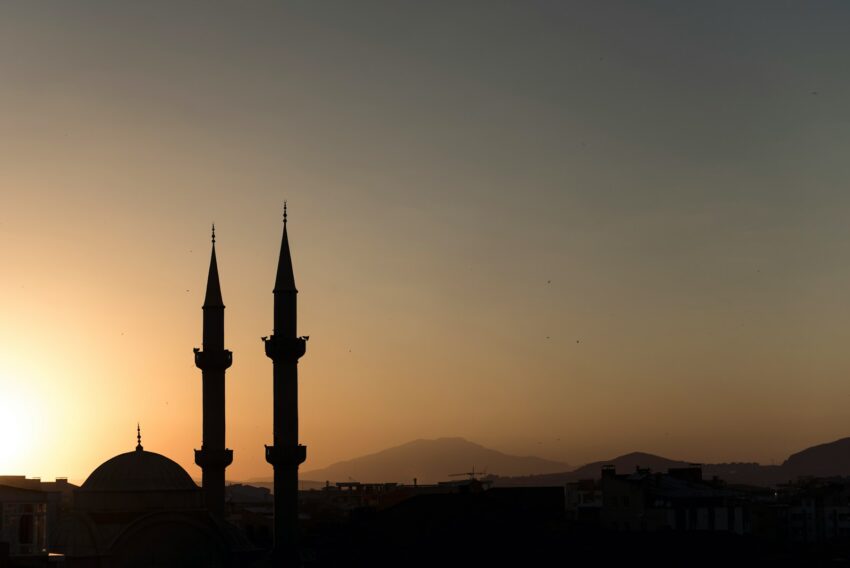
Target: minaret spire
x,y
213,457
213,296
284,348
285,279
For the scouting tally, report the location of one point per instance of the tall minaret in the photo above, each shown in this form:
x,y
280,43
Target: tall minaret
x,y
284,348
213,457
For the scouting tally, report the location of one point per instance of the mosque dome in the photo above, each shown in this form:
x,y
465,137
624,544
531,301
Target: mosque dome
x,y
139,471
138,481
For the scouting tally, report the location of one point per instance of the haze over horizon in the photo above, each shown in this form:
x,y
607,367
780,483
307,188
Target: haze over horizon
x,y
560,229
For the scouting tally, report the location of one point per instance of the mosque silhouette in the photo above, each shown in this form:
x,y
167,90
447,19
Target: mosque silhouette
x,y
141,508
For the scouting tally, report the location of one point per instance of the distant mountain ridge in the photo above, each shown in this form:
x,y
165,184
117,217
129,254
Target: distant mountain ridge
x,y
430,461
824,460
433,460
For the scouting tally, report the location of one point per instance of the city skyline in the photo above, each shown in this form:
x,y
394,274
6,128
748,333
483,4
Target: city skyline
x,y
570,232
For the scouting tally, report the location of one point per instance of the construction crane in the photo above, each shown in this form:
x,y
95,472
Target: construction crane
x,y
472,474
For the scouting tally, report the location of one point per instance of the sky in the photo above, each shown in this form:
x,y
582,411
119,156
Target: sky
x,y
564,229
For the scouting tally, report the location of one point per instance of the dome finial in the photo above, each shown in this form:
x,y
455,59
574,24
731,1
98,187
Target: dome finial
x,y
213,233
139,447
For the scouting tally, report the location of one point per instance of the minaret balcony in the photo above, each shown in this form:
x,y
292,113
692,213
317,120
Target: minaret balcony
x,y
285,348
213,360
213,458
286,456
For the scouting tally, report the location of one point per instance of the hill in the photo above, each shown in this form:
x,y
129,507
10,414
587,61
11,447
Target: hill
x,y
430,461
623,464
433,460
823,460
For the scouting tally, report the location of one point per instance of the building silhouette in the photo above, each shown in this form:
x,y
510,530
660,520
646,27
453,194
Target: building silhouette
x,y
679,500
23,521
285,454
213,360
142,509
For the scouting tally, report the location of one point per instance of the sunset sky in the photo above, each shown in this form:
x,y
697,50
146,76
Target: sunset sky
x,y
566,229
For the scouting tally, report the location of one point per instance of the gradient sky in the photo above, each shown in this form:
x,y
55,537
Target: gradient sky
x,y
568,229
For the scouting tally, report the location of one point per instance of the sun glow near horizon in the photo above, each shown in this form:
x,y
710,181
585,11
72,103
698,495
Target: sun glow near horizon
x,y
20,425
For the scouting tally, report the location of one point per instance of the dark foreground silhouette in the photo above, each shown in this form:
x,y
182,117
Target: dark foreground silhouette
x,y
488,530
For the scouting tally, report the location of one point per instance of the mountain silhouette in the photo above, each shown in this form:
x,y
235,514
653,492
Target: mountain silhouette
x,y
433,460
823,460
430,461
623,464
629,462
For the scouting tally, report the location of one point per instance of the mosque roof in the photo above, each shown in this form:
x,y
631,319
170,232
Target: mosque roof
x,y
139,471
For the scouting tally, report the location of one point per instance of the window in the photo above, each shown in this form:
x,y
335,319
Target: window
x,y
25,528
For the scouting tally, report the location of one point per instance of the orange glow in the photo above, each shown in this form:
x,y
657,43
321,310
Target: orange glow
x,y
572,245
21,426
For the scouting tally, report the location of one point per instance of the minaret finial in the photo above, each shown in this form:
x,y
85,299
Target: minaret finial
x,y
213,233
139,447
284,212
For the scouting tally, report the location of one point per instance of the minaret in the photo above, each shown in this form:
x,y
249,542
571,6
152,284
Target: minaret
x,y
284,348
213,457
